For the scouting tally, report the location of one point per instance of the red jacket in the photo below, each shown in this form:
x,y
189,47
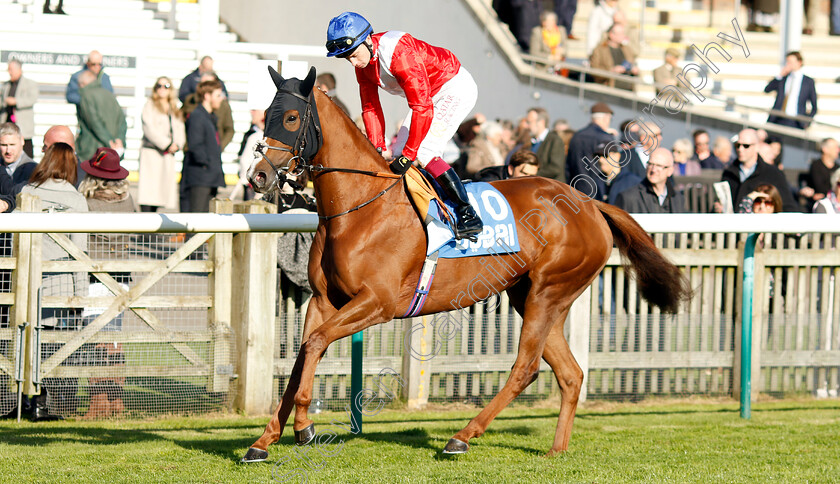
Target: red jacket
x,y
407,67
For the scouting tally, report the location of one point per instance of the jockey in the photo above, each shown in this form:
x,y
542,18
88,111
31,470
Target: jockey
x,y
439,91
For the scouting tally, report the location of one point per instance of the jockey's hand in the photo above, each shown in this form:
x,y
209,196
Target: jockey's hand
x,y
387,154
400,165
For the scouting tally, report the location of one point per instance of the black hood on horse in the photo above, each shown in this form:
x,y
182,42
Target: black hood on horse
x,y
303,131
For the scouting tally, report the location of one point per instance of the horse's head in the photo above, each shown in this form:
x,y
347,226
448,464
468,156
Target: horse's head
x,y
292,133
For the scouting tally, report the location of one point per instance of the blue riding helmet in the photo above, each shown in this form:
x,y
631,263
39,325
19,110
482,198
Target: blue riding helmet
x,y
345,33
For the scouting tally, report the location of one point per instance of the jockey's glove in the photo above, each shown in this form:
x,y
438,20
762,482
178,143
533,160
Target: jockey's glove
x,y
400,165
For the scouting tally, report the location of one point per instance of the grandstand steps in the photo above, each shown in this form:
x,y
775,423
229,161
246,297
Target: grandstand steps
x,y
126,28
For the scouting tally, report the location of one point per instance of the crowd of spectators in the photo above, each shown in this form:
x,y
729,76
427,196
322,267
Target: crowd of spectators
x,y
635,168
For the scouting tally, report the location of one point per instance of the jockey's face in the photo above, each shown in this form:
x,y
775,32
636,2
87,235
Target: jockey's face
x,y
360,58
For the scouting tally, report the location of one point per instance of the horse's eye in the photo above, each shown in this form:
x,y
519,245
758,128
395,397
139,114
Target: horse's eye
x,y
291,119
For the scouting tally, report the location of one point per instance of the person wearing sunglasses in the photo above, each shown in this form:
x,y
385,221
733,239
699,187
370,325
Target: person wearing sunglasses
x,y
163,136
749,171
439,91
655,194
92,64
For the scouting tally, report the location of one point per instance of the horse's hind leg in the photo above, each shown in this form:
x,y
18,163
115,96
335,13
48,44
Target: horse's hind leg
x,y
570,378
541,312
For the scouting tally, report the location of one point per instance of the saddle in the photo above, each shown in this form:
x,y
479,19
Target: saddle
x,y
422,193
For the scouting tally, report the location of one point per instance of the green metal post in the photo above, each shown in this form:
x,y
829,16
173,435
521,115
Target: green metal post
x,y
746,325
356,376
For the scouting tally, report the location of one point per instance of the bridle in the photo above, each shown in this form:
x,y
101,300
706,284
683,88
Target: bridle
x,y
301,163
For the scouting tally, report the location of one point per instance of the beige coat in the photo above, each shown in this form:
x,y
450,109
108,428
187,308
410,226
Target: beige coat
x,y
25,97
602,59
158,184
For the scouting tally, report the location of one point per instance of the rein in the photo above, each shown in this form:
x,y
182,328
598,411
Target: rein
x,y
325,170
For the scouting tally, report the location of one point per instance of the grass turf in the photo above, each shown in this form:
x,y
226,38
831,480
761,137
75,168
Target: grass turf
x,y
793,440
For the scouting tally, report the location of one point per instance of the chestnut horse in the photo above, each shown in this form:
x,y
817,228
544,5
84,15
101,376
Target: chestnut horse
x,y
370,245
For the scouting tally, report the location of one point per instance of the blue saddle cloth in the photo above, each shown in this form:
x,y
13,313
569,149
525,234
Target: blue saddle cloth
x,y
499,235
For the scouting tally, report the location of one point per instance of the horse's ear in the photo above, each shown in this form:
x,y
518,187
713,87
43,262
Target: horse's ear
x,y
308,83
276,77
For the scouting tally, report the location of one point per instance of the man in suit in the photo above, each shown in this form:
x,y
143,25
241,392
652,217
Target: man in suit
x,y
666,74
635,158
17,98
202,173
547,144
793,91
583,143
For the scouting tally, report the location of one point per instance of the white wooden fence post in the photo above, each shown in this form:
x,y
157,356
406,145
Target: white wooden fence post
x,y
253,305
580,318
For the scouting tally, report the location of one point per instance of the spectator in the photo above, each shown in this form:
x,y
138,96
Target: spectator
x,y
547,41
722,150
666,74
547,144
58,10
101,119
58,134
202,173
486,149
683,165
257,117
565,10
585,141
616,178
615,56
793,91
193,79
17,99
246,158
521,16
831,202
749,171
655,194
326,83
224,115
522,163
18,165
560,126
600,20
92,65
819,174
163,136
469,130
764,15
635,159
53,182
106,190
765,199
702,153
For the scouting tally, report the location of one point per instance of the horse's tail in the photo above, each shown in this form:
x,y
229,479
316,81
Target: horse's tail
x,y
658,279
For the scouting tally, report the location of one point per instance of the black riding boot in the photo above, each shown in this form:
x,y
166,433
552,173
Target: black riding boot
x,y
469,225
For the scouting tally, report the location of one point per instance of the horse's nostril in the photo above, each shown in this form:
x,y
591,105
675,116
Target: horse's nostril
x,y
259,178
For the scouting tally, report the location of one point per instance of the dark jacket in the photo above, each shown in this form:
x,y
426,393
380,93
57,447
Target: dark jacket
x,y
203,161
223,115
101,120
552,155
492,173
633,163
764,174
807,94
642,199
710,163
6,189
623,181
819,176
190,84
581,146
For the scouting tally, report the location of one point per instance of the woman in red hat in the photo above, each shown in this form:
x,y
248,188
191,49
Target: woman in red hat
x,y
106,189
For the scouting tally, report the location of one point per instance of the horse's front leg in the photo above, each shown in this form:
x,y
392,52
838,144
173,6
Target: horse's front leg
x,y
318,310
364,310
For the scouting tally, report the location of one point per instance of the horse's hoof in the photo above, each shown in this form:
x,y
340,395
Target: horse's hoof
x,y
305,436
254,455
455,446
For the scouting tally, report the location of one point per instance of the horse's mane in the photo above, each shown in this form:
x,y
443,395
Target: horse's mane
x,y
356,133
